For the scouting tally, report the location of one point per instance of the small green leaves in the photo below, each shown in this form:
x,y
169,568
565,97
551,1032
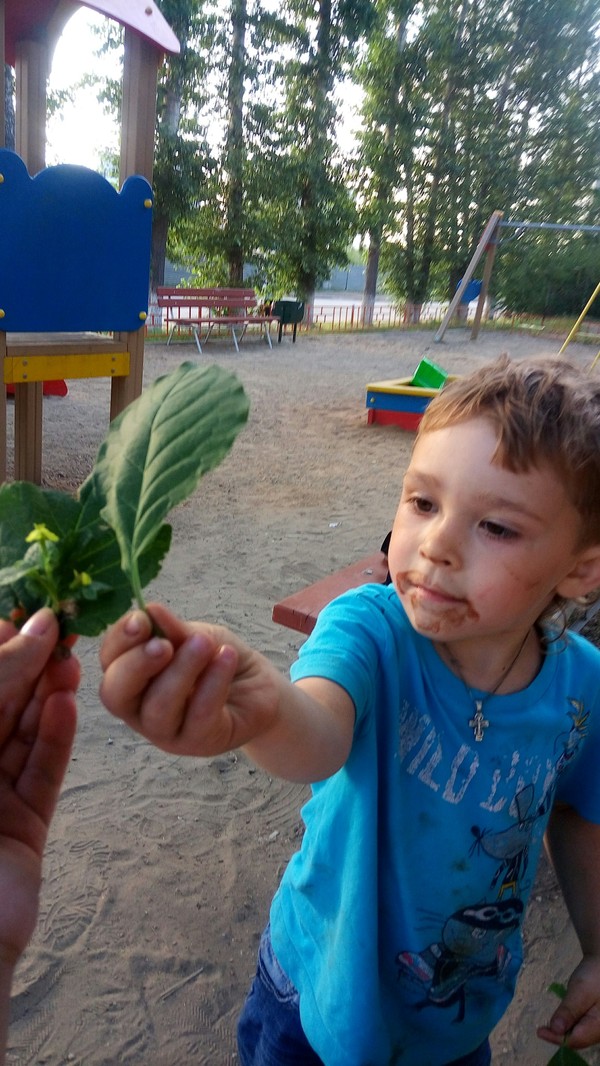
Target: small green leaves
x,y
566,1056
87,557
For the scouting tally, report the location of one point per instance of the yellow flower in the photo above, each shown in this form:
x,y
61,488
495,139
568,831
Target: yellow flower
x,y
81,579
40,532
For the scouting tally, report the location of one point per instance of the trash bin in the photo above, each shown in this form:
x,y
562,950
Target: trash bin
x,y
290,313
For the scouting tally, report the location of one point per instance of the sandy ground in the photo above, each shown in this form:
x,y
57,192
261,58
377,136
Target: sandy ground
x,y
160,870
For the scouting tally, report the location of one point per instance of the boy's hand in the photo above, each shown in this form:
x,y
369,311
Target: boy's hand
x,y
195,690
578,1015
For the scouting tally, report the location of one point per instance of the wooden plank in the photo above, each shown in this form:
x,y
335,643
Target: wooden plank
x,y
300,610
58,367
20,344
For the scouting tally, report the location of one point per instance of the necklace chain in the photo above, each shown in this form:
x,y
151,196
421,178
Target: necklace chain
x,y
478,723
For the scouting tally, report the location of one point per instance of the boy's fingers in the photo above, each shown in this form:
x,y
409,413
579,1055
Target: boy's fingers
x,y
126,678
139,626
577,1018
189,697
129,632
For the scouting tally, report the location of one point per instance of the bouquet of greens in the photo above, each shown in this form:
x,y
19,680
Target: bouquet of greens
x,y
87,556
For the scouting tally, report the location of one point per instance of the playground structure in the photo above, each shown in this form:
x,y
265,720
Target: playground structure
x,y
488,245
402,402
578,323
398,402
57,294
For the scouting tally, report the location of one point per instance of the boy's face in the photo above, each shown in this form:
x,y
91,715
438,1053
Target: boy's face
x,y
478,550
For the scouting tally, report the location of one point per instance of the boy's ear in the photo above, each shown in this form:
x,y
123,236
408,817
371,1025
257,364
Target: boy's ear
x,y
584,577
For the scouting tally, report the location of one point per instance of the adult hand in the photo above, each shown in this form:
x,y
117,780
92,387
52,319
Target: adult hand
x,y
37,726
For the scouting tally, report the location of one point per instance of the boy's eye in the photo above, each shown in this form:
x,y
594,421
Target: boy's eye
x,y
494,529
421,504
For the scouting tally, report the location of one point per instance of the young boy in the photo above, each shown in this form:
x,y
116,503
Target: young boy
x,y
447,724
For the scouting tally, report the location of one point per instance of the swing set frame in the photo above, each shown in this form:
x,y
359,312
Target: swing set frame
x,y
488,246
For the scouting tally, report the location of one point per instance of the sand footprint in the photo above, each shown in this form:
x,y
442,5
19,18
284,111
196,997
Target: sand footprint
x,y
66,916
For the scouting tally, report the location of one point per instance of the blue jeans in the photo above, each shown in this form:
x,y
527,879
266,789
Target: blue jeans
x,y
269,1029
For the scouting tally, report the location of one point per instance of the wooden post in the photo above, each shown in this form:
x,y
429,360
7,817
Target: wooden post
x,y
481,247
2,335
485,282
2,411
30,141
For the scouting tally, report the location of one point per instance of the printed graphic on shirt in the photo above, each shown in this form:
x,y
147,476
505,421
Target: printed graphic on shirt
x,y
472,942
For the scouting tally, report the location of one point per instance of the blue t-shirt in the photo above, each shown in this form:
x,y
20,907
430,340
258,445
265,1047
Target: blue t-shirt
x,y
399,919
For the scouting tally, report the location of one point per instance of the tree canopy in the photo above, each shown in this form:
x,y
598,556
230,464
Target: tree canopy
x,y
468,106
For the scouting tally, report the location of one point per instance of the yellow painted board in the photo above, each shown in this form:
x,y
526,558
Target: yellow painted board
x,y
59,367
403,387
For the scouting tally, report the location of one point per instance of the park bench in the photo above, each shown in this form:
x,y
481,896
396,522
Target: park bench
x,y
300,610
196,310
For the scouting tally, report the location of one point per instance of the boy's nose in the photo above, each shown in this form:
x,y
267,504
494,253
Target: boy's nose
x,y
441,545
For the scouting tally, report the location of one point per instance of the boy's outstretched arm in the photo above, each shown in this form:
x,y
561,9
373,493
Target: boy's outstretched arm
x,y
574,848
199,690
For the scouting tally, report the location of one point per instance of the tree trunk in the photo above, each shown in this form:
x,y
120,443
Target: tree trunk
x,y
370,291
438,165
160,230
321,82
234,146
9,107
383,195
161,221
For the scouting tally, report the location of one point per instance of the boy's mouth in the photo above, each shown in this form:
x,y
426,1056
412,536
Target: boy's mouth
x,y
415,586
432,606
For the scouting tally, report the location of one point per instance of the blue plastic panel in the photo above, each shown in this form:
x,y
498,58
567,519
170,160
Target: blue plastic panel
x,y
74,253
389,401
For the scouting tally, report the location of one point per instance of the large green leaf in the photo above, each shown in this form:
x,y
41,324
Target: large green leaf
x,y
99,554
157,450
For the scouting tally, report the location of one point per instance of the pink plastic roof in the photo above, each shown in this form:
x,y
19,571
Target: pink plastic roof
x,y
24,17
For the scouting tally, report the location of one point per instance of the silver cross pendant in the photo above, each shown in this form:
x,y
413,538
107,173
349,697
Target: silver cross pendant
x,y
478,723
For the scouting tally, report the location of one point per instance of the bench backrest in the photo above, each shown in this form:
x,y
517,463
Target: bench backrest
x,y
244,299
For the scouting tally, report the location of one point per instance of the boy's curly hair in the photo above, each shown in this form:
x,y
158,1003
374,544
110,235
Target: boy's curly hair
x,y
545,413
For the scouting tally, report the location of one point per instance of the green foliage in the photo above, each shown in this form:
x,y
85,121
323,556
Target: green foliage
x,y
86,557
566,1056
471,108
548,273
467,108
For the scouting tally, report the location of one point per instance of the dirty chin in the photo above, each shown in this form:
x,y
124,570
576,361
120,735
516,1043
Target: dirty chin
x,y
431,614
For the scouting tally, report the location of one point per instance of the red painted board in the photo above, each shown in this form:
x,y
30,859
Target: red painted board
x,y
404,419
